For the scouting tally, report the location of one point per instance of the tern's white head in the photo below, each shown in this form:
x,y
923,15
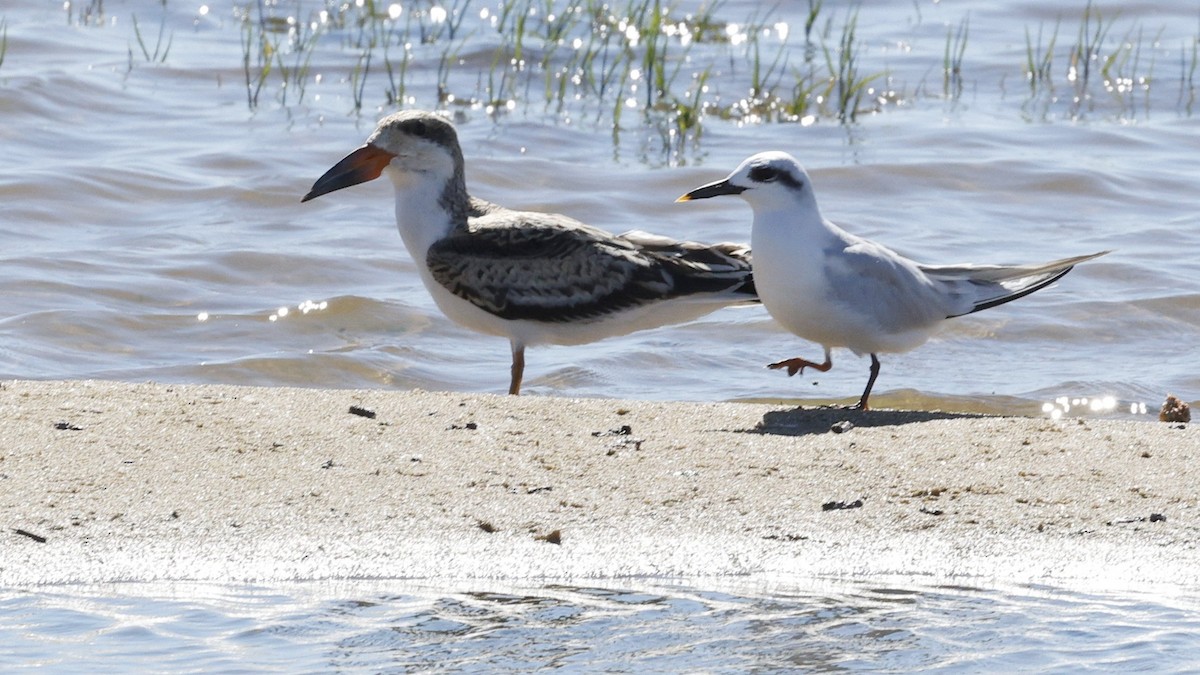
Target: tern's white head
x,y
768,181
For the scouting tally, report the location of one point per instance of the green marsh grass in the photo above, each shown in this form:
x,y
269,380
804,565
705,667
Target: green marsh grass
x,y
952,60
397,74
292,45
763,82
1103,74
1093,29
358,78
275,45
612,57
90,13
257,59
1039,59
1187,76
159,55
649,64
849,86
1122,72
3,40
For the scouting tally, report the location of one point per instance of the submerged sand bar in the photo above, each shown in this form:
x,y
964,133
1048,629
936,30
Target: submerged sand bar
x,y
150,481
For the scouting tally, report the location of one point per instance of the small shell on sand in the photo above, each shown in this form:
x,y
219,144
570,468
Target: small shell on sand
x,y
1174,410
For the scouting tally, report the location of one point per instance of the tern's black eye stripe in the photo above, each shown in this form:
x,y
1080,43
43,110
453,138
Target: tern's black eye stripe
x,y
770,174
763,174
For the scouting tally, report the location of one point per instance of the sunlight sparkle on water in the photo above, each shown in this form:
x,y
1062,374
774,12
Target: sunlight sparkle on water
x,y
735,33
438,14
310,306
509,106
394,11
1098,405
304,308
680,30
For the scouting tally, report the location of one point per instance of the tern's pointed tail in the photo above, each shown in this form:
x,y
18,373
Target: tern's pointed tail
x,y
993,285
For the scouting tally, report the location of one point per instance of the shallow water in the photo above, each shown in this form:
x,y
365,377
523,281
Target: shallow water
x,y
716,626
155,232
376,626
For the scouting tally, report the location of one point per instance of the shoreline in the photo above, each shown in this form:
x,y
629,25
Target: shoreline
x,y
151,482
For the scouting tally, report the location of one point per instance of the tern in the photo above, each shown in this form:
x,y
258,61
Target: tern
x,y
534,278
840,290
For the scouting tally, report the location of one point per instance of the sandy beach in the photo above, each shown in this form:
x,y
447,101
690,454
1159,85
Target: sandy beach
x,y
106,481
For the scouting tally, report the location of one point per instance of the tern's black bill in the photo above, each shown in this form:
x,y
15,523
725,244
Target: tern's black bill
x,y
360,166
721,187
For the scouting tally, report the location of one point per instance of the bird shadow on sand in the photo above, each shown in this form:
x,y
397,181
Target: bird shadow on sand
x,y
832,419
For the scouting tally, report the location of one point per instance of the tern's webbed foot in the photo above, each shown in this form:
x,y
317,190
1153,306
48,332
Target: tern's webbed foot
x,y
797,365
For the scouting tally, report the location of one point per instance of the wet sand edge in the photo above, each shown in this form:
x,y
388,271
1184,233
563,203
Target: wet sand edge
x,y
108,481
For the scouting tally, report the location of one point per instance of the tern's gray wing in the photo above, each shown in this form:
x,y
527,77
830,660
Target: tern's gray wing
x,y
548,268
985,286
886,290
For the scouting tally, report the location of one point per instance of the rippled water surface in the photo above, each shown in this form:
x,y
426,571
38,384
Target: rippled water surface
x,y
399,627
154,232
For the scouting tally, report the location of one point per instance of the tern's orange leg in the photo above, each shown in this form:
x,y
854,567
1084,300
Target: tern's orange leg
x,y
797,365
